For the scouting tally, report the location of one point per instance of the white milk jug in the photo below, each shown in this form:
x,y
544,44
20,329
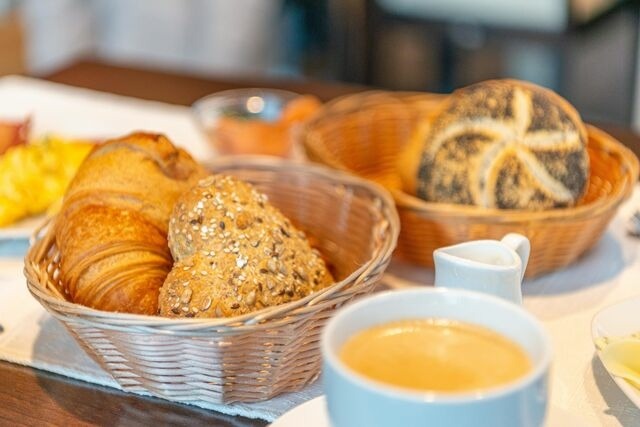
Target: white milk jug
x,y
494,267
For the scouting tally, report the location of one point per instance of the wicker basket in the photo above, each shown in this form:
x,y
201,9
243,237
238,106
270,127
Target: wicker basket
x,y
251,357
363,134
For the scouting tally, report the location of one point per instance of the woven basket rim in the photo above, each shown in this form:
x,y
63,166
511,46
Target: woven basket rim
x,y
400,97
388,227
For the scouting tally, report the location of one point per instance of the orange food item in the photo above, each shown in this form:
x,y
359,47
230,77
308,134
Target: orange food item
x,y
300,109
234,135
241,136
13,133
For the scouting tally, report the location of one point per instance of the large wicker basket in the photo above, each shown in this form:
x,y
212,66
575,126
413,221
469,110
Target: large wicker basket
x,y
364,133
255,356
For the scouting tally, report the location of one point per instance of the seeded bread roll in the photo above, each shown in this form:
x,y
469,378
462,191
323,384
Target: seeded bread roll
x,y
235,253
500,144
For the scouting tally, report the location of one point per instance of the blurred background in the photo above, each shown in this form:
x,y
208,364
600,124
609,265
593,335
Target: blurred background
x,y
587,50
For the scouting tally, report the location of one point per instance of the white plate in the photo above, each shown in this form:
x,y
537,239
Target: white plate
x,y
22,229
619,320
309,414
314,414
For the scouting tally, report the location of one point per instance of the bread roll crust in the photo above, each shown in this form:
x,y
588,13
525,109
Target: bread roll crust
x,y
235,253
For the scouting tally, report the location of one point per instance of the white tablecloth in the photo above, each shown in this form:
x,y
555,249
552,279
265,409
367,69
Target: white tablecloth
x,y
567,300
564,301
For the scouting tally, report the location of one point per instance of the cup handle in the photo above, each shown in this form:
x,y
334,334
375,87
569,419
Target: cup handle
x,y
520,244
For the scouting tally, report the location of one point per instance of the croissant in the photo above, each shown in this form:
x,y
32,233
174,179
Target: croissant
x,y
112,227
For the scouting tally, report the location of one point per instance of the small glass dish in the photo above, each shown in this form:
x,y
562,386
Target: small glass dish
x,y
252,121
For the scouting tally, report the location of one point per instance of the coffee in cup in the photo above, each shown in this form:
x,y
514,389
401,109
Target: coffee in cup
x,y
356,397
435,355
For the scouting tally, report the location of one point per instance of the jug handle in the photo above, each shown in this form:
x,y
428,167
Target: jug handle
x,y
520,244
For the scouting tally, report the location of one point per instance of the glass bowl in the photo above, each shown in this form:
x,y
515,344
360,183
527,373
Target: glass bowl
x,y
247,121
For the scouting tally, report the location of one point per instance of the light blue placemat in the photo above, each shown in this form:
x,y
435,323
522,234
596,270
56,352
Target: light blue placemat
x,y
13,248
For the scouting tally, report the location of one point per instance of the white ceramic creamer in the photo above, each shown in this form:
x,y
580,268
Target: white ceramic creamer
x,y
494,267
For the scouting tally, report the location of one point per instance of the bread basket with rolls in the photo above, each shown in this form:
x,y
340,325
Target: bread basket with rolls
x,y
493,158
196,287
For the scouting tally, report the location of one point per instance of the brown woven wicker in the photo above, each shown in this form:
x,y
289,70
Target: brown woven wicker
x,y
364,133
250,357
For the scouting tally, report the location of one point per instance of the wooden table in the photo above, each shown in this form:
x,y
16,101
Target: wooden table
x,y
32,397
180,88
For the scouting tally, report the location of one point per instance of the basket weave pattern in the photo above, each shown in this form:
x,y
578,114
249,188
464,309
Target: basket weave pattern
x,y
364,133
255,356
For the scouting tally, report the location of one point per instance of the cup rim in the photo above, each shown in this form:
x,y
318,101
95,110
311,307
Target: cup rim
x,y
396,392
443,253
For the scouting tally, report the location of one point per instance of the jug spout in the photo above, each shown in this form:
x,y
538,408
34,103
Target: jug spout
x,y
521,246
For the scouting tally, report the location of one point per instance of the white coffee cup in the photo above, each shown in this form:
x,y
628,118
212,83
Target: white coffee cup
x,y
354,400
495,267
